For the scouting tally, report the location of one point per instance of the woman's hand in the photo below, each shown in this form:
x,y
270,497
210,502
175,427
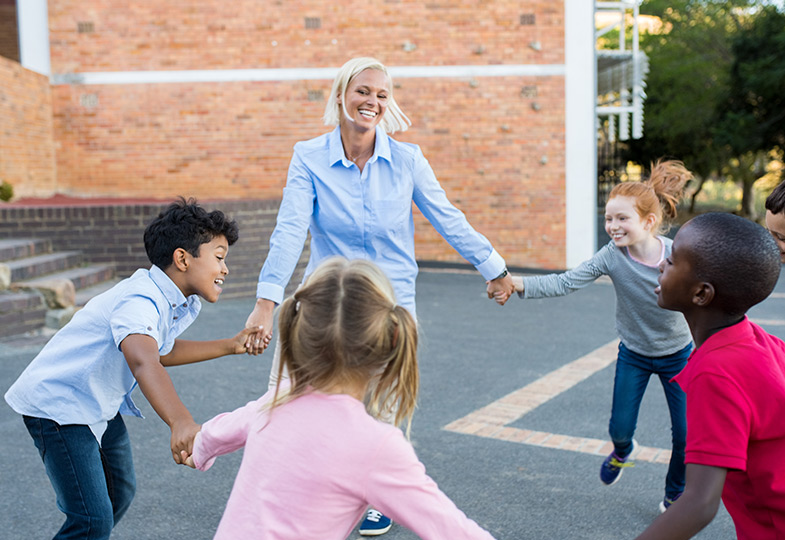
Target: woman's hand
x,y
239,343
500,289
260,318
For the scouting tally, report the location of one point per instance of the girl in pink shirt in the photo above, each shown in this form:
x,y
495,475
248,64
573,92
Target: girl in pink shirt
x,y
316,454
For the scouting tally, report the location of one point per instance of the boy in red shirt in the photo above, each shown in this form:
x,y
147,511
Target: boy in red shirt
x,y
721,266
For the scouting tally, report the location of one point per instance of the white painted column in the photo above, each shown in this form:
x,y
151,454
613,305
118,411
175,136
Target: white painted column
x,y
581,136
33,24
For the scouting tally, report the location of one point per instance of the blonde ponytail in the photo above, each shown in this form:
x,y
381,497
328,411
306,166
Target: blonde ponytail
x,y
342,327
398,385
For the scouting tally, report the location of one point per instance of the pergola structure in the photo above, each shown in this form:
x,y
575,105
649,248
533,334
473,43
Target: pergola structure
x,y
621,72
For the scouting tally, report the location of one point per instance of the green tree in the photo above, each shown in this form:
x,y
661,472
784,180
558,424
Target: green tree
x,y
689,68
752,121
757,82
709,101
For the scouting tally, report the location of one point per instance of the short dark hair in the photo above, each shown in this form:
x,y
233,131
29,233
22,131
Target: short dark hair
x,y
737,256
185,224
775,202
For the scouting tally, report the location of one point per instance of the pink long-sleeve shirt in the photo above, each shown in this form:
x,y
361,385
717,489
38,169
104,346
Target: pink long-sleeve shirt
x,y
312,467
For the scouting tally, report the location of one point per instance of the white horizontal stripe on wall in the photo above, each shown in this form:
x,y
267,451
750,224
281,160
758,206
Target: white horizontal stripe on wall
x,y
300,74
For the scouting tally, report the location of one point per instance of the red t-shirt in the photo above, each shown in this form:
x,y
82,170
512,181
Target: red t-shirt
x,y
735,385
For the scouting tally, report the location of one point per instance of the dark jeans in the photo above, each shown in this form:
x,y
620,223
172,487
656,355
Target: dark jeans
x,y
632,376
94,485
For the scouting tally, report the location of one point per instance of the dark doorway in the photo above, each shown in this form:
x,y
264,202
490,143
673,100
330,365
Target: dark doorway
x,y
9,30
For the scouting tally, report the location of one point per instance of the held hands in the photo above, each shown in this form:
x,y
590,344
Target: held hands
x,y
500,289
187,460
517,282
260,323
241,340
182,441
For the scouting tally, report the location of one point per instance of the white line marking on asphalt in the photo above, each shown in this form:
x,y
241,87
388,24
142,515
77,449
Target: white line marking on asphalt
x,y
492,420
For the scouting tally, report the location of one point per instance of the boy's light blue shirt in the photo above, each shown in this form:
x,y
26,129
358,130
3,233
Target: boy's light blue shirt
x,y
365,215
81,376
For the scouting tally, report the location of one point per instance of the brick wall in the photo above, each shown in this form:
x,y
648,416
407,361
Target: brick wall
x,y
96,35
27,153
112,234
495,143
484,140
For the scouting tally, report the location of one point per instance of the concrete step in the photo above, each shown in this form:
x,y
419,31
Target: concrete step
x,y
38,288
19,248
57,317
41,265
20,312
82,277
59,289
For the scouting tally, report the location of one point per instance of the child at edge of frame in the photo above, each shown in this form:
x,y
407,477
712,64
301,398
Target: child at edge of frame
x,y
721,266
775,217
73,393
653,341
316,452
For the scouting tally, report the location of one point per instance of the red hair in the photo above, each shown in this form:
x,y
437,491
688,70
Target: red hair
x,y
660,194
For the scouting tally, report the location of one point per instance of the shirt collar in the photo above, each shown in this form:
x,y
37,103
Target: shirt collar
x,y
741,331
381,150
727,336
172,292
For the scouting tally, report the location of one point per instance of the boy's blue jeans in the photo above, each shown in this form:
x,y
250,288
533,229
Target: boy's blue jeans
x,y
94,485
632,376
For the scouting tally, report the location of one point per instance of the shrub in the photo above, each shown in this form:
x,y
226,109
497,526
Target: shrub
x,y
6,191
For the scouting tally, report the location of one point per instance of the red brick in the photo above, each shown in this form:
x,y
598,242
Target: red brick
x,y
233,140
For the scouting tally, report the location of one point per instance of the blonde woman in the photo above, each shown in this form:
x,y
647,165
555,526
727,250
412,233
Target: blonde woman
x,y
353,189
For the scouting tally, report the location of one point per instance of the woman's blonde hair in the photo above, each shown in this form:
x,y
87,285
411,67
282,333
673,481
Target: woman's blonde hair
x,y
659,195
393,120
343,326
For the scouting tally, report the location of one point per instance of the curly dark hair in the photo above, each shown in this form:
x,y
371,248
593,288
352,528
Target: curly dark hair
x,y
185,224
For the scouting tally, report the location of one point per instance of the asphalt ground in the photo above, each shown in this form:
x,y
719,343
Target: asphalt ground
x,y
472,353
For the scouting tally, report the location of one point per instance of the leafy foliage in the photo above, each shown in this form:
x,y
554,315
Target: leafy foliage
x,y
715,88
754,119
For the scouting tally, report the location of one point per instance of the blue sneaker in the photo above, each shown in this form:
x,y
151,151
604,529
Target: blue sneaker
x,y
666,502
375,523
614,466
